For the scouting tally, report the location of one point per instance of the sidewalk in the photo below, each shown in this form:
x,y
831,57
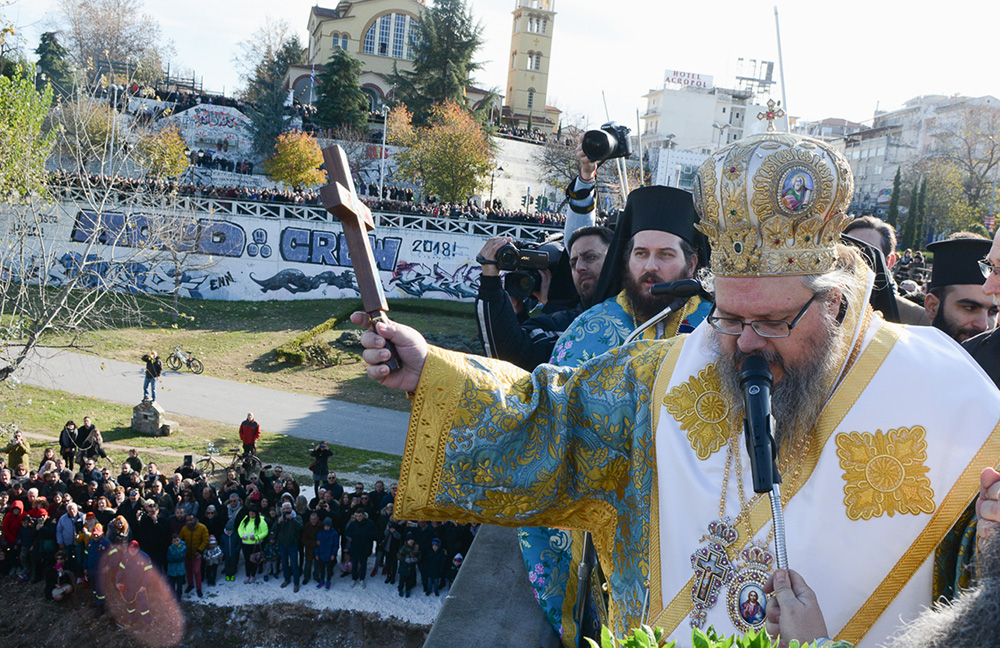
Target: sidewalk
x,y
299,415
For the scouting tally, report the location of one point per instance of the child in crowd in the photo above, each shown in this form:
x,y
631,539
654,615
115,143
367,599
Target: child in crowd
x,y
434,564
271,565
408,556
176,573
326,553
211,559
230,546
456,564
95,548
62,578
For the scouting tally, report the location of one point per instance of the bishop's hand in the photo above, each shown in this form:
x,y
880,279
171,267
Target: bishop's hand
x,y
988,505
410,345
792,609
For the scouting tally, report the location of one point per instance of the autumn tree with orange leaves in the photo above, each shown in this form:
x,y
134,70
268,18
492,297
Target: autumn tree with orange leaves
x,y
451,157
296,161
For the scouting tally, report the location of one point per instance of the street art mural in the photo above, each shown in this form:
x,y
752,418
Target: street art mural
x,y
238,257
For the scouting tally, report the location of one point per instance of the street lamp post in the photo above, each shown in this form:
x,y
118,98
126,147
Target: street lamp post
x,y
492,178
381,173
722,129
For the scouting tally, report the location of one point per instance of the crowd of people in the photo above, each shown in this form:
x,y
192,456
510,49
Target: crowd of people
x,y
402,202
61,520
533,135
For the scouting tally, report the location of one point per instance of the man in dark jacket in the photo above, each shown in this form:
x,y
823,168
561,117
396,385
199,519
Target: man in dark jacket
x,y
288,530
153,370
68,446
361,535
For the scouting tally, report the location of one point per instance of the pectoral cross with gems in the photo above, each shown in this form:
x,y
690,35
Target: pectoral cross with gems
x,y
771,115
711,571
340,199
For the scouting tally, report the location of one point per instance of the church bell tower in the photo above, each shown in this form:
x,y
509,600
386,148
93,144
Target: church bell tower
x,y
528,67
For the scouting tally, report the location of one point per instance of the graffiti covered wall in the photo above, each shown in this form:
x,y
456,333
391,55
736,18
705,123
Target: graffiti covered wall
x,y
239,257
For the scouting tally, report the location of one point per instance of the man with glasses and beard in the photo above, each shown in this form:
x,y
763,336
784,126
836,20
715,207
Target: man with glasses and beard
x,y
643,446
955,300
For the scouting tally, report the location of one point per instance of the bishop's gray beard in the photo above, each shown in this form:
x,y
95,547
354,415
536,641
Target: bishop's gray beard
x,y
798,399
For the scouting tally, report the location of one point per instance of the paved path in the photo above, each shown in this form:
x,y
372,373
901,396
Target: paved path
x,y
300,415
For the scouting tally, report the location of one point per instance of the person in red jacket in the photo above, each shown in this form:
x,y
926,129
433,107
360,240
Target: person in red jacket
x,y
249,433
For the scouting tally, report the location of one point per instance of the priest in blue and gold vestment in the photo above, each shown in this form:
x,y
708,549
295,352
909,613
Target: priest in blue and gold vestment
x,y
643,447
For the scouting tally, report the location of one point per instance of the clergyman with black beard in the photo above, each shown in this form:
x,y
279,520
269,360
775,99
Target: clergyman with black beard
x,y
955,301
655,241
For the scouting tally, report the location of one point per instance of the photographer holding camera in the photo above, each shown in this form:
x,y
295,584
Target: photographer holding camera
x,y
505,328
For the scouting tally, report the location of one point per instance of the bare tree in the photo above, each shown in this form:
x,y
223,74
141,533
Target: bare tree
x,y
113,30
261,47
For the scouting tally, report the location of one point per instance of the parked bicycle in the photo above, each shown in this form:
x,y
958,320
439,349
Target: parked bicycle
x,y
248,463
178,358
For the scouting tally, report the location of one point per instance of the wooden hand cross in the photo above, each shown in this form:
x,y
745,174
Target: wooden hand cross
x,y
340,199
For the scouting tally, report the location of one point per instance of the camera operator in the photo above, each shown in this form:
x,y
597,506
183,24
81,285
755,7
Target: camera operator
x,y
506,330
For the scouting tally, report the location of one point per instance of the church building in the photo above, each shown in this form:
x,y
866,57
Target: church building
x,y
528,74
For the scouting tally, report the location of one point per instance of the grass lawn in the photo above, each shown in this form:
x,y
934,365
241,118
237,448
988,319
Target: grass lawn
x,y
236,341
41,414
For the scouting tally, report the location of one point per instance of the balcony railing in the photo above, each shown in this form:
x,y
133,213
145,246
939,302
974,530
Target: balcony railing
x,y
518,230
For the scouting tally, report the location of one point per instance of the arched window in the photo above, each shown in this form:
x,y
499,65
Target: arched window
x,y
343,41
392,35
513,60
530,61
536,62
336,40
531,98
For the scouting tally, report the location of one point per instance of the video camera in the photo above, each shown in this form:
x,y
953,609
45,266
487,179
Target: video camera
x,y
522,263
609,142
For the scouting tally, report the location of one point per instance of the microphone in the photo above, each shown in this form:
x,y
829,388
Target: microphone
x,y
755,383
684,288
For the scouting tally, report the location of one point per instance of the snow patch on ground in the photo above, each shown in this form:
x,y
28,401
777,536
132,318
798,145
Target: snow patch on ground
x,y
378,597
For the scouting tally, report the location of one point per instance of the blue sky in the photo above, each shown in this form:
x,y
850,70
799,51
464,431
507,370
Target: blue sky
x,y
841,58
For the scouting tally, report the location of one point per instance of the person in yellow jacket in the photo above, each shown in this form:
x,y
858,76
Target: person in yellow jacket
x,y
194,534
252,531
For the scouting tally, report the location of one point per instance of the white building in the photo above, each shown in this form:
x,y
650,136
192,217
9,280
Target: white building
x,y
898,139
688,112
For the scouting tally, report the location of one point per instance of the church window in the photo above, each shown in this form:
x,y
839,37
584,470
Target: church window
x,y
370,41
513,61
343,42
336,40
536,63
531,98
384,29
392,35
397,37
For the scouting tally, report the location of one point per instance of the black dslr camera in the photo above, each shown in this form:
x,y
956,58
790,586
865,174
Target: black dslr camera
x,y
609,142
523,262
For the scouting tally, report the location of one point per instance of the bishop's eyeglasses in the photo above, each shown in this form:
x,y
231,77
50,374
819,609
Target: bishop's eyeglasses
x,y
988,269
763,328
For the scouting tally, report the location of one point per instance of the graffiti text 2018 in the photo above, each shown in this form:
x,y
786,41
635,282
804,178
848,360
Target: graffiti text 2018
x,y
444,249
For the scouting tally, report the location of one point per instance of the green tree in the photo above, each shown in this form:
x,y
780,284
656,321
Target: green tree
x,y
910,236
296,161
446,40
24,147
53,63
265,89
163,153
341,102
892,216
451,156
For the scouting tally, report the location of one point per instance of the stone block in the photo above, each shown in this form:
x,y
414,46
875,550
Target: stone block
x,y
150,419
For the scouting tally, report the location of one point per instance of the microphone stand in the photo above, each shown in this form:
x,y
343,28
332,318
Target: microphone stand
x,y
758,424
